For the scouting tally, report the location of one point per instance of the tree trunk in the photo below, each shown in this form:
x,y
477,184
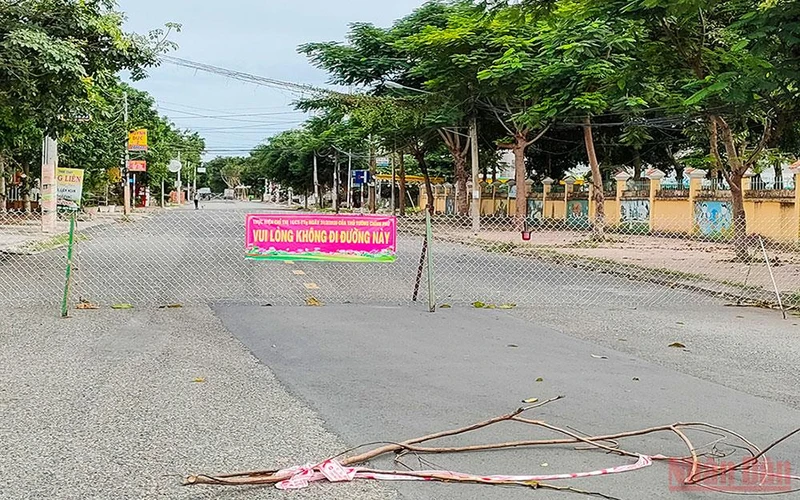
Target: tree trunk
x,y
637,164
739,217
598,196
521,212
459,153
402,184
462,176
26,188
734,177
778,168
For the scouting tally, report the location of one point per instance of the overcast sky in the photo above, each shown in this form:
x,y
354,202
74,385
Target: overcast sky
x,y
253,36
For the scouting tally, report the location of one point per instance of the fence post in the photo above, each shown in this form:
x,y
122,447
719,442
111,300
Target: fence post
x,y
795,169
68,280
547,185
569,184
622,179
656,176
696,177
429,261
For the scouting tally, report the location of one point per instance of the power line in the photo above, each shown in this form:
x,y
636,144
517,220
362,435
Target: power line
x,y
247,77
198,108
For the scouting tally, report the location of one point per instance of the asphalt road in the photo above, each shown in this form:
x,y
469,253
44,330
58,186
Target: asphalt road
x,y
101,402
124,404
392,373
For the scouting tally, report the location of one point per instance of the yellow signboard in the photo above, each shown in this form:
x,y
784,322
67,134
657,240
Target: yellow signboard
x,y
114,174
69,187
137,140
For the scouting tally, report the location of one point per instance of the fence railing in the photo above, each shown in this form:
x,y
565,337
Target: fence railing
x,y
715,185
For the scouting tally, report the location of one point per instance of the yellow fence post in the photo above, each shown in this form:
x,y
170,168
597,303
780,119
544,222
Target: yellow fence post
x,y
547,186
795,169
569,187
656,176
696,177
622,179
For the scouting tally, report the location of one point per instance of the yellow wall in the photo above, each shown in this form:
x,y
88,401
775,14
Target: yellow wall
x,y
612,211
771,219
672,215
555,209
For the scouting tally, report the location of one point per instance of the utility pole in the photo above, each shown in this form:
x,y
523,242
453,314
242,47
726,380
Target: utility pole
x,y
48,200
336,181
127,189
373,170
194,182
394,156
476,186
180,185
350,180
316,182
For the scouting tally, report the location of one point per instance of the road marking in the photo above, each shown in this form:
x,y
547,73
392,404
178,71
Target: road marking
x,y
289,262
311,286
298,272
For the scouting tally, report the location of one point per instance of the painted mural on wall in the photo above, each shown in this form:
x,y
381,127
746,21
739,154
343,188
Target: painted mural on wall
x,y
635,214
635,211
449,205
535,210
713,219
578,213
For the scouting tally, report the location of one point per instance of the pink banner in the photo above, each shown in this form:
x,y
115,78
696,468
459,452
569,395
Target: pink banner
x,y
338,238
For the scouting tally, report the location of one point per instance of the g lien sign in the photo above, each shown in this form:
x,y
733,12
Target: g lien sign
x,y
69,188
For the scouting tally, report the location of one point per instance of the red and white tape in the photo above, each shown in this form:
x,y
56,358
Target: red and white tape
x,y
335,472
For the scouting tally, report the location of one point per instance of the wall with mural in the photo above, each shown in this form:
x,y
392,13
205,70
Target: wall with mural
x,y
635,214
535,210
578,213
713,219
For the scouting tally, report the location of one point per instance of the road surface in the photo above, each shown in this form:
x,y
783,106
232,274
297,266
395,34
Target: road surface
x,y
108,403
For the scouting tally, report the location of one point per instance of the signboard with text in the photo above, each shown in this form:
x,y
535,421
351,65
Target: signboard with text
x,y
69,187
137,166
137,140
314,237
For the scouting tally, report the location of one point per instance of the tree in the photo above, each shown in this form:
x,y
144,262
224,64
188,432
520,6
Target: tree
x,y
58,59
55,54
379,58
719,61
463,62
98,145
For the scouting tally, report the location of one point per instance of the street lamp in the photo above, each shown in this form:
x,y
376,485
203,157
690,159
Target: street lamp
x,y
397,86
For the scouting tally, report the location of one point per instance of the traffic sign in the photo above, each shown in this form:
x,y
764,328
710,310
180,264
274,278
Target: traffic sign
x,y
174,166
361,177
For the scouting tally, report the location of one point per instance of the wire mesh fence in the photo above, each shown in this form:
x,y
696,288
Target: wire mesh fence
x,y
631,264
640,259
